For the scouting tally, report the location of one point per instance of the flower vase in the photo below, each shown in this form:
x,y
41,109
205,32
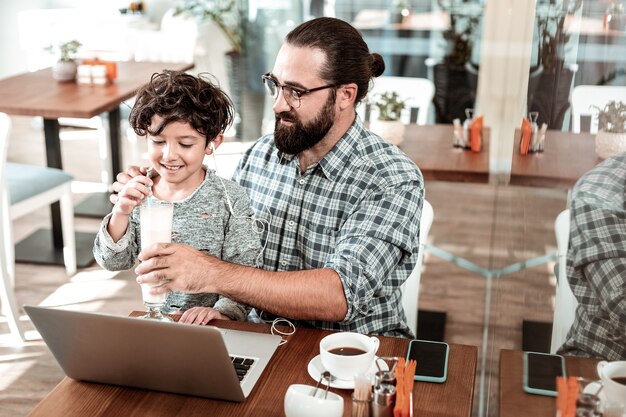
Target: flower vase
x,y
391,131
64,71
609,143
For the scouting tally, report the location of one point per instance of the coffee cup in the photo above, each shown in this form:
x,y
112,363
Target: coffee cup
x,y
307,401
613,379
346,354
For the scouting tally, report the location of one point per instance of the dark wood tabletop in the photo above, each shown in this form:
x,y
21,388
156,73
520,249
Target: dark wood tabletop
x,y
288,366
566,157
430,147
515,402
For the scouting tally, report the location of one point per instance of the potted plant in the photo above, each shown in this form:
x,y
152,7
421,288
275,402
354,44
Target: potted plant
x,y
611,136
455,76
229,17
388,108
65,68
614,16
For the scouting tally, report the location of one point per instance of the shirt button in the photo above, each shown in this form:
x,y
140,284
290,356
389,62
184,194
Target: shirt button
x,y
291,223
301,181
283,263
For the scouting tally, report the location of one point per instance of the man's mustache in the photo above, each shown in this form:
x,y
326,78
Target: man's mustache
x,y
286,116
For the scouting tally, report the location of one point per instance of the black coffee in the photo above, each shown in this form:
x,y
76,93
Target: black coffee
x,y
347,351
620,379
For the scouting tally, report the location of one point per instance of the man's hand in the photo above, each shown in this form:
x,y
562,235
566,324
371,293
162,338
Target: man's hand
x,y
123,178
179,267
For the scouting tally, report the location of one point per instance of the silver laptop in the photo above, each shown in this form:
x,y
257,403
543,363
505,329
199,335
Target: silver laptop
x,y
171,357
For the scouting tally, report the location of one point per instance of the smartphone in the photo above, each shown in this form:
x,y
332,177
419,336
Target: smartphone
x,y
431,358
540,372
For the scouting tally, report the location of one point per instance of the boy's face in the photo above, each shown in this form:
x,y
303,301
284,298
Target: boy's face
x,y
177,153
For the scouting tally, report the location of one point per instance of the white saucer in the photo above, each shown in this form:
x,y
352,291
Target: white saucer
x,y
316,368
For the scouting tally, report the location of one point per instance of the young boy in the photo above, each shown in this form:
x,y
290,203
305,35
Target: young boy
x,y
184,118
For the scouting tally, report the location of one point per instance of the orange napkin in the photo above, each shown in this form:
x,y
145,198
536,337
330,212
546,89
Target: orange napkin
x,y
476,134
405,371
527,133
567,394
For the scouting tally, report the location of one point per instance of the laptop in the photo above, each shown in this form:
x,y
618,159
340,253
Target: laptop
x,y
202,361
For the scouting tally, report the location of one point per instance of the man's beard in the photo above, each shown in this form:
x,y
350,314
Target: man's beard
x,y
297,138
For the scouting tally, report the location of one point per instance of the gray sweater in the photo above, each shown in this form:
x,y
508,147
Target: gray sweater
x,y
203,221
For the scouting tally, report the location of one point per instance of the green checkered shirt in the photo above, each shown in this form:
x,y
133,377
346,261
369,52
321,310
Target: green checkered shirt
x,y
356,211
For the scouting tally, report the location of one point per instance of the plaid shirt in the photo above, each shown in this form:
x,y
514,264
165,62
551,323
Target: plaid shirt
x,y
596,262
356,211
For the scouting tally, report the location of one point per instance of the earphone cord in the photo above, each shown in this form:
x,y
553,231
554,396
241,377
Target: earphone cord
x,y
259,222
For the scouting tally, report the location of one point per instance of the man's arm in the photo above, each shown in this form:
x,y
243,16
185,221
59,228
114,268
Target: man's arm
x,y
301,295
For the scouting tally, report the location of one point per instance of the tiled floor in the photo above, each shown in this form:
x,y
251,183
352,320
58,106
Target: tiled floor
x,y
488,226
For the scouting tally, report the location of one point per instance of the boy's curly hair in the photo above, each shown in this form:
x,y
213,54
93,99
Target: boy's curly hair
x,y
177,96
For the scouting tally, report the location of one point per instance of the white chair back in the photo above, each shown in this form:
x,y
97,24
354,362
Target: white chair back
x,y
410,288
565,303
31,188
584,97
418,93
7,266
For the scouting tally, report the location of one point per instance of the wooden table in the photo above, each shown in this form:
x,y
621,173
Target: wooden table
x,y
430,147
288,366
38,94
566,157
513,401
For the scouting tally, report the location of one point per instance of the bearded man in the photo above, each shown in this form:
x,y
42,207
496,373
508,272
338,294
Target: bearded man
x,y
340,206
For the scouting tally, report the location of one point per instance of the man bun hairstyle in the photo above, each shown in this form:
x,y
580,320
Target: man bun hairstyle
x,y
348,59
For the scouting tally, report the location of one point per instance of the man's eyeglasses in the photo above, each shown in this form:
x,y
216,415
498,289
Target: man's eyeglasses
x,y
292,95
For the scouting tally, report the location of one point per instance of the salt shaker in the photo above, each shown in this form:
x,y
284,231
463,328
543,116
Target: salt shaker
x,y
469,115
383,400
534,128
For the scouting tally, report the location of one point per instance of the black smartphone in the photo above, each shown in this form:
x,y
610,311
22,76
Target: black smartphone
x,y
431,358
540,372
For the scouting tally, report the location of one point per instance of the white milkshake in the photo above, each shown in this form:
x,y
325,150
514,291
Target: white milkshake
x,y
155,220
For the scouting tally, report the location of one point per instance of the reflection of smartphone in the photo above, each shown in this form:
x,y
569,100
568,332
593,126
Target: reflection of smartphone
x,y
431,358
540,372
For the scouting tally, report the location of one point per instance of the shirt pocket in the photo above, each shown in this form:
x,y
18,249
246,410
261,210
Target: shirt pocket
x,y
315,243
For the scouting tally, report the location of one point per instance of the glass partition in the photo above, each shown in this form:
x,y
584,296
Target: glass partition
x,y
489,268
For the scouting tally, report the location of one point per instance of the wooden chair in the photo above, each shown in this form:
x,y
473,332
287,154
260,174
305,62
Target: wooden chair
x,y
418,93
411,287
24,189
565,303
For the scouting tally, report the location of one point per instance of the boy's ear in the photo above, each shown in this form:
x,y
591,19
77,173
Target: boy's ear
x,y
214,144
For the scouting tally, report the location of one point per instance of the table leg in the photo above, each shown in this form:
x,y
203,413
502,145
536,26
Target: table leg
x,y
98,204
43,246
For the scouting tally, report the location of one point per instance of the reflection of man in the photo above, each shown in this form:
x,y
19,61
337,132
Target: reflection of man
x,y
596,262
342,205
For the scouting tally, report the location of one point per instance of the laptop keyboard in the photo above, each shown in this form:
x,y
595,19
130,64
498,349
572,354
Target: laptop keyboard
x,y
242,365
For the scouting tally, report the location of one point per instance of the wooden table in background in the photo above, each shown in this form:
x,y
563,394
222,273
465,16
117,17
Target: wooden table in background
x,y
430,147
72,398
38,94
515,402
566,157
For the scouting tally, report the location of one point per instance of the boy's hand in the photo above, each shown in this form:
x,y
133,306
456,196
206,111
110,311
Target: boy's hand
x,y
122,179
132,194
201,315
